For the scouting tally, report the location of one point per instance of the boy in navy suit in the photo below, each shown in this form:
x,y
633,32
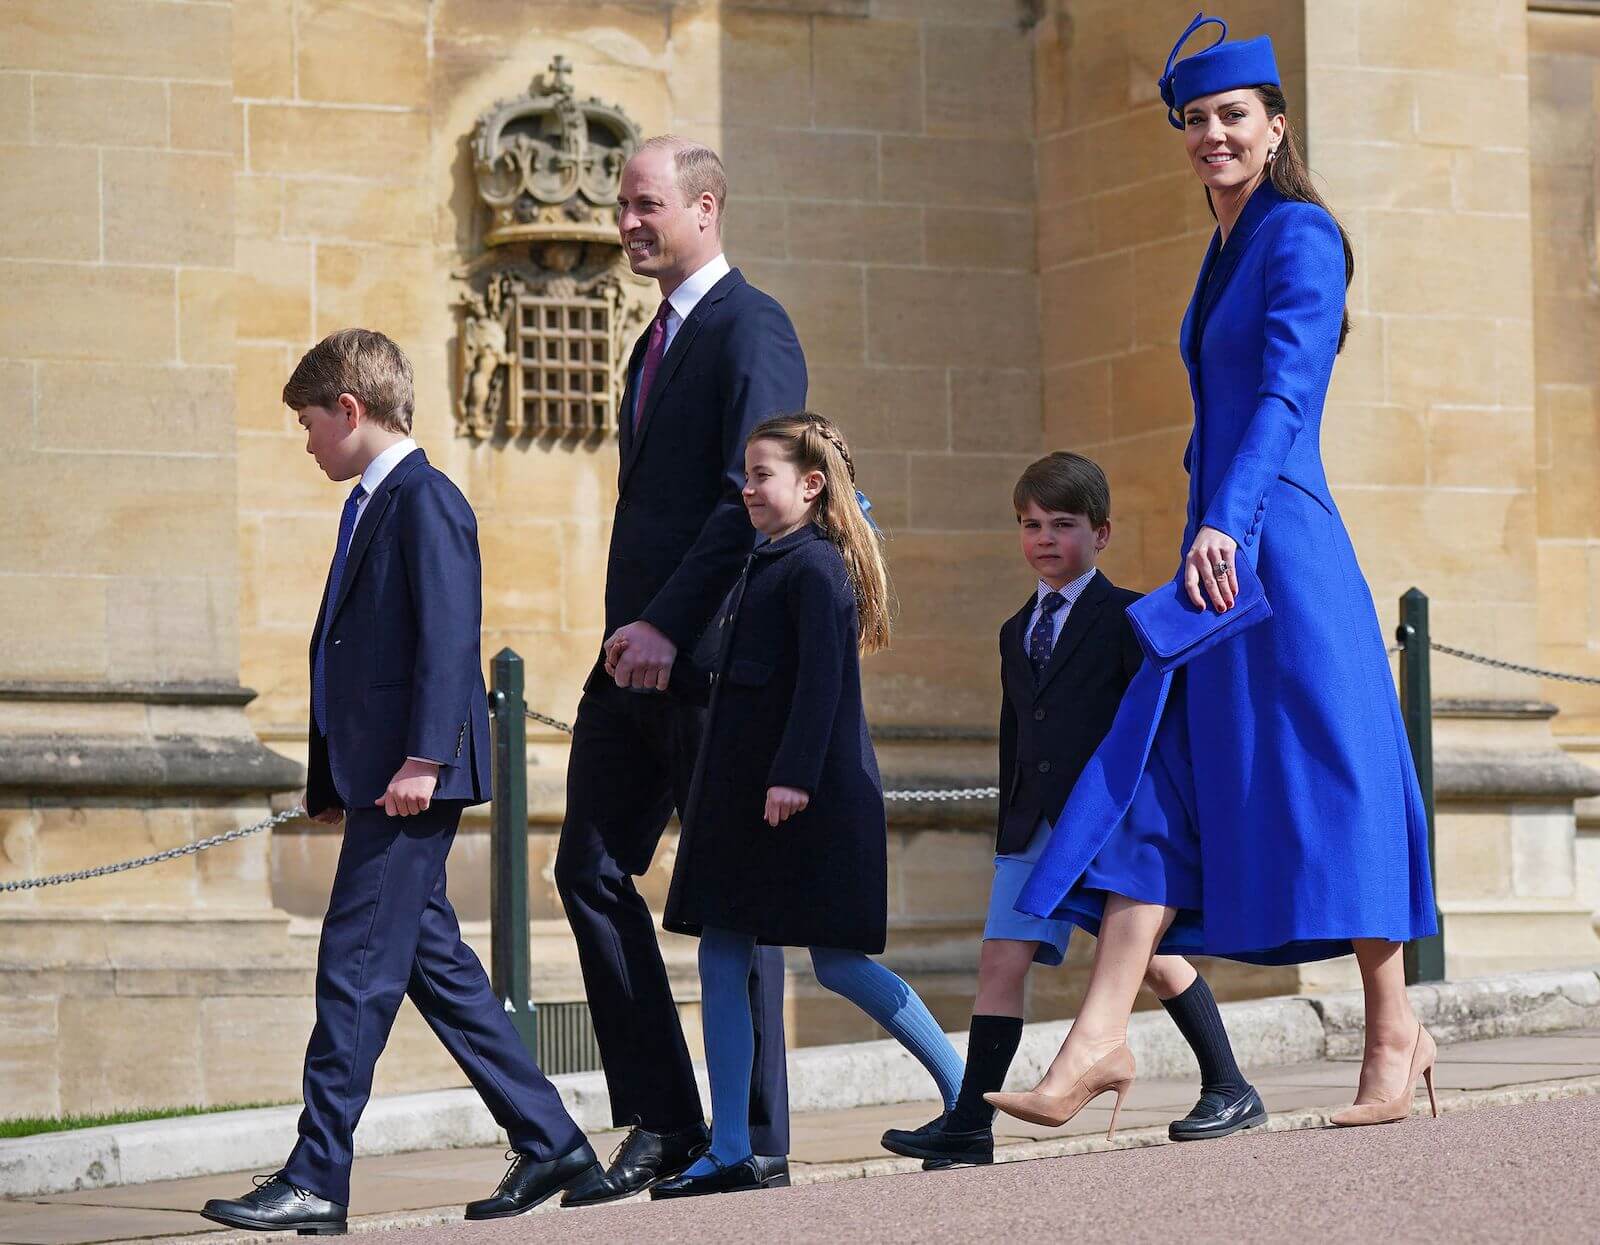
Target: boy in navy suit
x,y
1066,657
399,746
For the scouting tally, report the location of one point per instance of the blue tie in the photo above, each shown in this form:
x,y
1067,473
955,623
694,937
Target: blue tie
x,y
1042,639
347,528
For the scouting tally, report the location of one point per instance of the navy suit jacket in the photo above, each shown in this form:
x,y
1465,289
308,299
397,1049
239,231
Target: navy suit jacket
x,y
1049,728
402,666
681,533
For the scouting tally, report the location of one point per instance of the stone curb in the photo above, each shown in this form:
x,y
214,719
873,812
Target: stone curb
x,y
1266,1033
1050,1148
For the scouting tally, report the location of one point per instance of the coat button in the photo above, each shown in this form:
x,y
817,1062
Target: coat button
x,y
1038,715
336,643
1044,767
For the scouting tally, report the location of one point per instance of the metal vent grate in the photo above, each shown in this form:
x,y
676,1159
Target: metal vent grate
x,y
566,1041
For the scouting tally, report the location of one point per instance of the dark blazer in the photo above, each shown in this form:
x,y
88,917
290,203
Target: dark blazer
x,y
1050,729
786,712
402,665
681,532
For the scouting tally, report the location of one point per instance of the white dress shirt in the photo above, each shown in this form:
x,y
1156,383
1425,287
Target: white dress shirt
x,y
376,473
1070,593
687,296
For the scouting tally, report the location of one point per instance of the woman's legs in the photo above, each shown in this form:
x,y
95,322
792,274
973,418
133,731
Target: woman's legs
x,y
895,1006
1391,1024
1129,934
725,959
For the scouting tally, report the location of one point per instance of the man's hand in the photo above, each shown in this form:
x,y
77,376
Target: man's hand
x,y
784,802
327,817
639,655
411,789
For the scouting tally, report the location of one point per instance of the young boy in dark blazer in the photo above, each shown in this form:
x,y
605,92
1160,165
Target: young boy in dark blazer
x,y
1066,657
399,746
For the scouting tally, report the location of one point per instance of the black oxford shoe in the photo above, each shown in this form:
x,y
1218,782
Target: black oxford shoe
x,y
773,1170
530,1181
275,1205
741,1177
1219,1115
940,1146
642,1160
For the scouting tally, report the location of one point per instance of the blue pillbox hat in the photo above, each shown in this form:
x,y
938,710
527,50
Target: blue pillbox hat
x,y
1221,67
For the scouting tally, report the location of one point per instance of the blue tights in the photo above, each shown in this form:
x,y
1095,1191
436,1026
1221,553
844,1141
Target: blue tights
x,y
730,1043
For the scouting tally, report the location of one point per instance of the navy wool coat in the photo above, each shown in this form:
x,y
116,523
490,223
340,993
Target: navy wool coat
x,y
402,661
786,711
1304,798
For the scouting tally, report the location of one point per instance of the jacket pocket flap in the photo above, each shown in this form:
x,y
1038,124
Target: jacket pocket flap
x,y
749,673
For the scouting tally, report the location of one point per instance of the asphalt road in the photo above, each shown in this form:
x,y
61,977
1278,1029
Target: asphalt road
x,y
1523,1173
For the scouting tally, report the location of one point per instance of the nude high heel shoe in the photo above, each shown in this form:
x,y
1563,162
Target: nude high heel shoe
x,y
1114,1072
1423,1055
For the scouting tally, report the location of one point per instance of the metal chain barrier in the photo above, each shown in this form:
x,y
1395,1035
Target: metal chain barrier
x,y
1495,663
188,849
929,795
925,795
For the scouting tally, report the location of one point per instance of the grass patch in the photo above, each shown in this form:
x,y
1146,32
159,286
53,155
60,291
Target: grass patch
x,y
31,1125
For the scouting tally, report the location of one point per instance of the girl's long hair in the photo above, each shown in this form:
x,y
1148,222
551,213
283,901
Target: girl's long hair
x,y
814,443
1292,179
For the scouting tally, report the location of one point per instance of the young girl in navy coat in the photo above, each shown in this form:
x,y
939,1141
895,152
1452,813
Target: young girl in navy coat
x,y
784,839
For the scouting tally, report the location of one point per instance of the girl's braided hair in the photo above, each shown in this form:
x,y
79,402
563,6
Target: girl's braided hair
x,y
813,442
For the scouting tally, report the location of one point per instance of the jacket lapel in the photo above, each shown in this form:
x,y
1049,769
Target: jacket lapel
x,y
1262,201
370,518
1079,620
1014,649
625,415
682,342
1189,337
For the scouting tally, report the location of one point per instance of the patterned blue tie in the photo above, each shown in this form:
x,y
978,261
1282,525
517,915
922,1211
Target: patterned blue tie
x,y
347,527
1042,639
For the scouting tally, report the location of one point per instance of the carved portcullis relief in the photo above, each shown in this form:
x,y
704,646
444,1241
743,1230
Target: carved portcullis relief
x,y
549,308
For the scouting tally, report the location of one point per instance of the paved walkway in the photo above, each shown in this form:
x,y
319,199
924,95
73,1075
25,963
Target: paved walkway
x,y
430,1188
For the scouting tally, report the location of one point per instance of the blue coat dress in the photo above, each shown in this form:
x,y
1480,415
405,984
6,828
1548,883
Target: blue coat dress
x,y
1265,789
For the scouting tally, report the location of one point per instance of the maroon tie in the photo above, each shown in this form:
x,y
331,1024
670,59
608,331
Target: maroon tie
x,y
652,360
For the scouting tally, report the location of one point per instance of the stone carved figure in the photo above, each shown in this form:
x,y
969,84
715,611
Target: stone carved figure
x,y
484,352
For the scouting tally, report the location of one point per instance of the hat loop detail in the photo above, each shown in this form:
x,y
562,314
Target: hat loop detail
x,y
1168,96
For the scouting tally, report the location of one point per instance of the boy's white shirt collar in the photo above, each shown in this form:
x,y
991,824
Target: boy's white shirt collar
x,y
379,468
1071,591
697,285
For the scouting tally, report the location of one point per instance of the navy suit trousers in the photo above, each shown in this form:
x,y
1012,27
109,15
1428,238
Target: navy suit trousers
x,y
390,933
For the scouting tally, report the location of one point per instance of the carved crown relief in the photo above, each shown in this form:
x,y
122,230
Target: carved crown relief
x,y
550,305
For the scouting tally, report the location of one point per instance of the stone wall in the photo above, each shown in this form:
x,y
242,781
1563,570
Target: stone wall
x,y
116,343
1564,93
882,189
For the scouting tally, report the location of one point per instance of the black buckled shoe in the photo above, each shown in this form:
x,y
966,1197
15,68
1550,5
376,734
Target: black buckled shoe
x,y
275,1205
530,1181
745,1176
1220,1115
642,1160
939,1146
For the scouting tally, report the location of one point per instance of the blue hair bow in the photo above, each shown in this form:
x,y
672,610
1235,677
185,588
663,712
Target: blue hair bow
x,y
866,511
1168,94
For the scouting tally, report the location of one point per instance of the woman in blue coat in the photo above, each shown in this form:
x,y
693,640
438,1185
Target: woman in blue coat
x,y
1257,801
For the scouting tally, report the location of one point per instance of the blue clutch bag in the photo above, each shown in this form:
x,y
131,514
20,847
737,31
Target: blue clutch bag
x,y
1172,631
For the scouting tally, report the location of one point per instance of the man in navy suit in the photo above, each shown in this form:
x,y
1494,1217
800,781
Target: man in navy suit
x,y
399,746
718,357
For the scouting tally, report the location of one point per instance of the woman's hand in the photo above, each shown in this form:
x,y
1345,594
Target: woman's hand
x,y
1208,566
784,802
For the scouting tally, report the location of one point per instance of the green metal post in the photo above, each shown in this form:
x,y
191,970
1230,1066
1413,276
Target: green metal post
x,y
1424,957
509,957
